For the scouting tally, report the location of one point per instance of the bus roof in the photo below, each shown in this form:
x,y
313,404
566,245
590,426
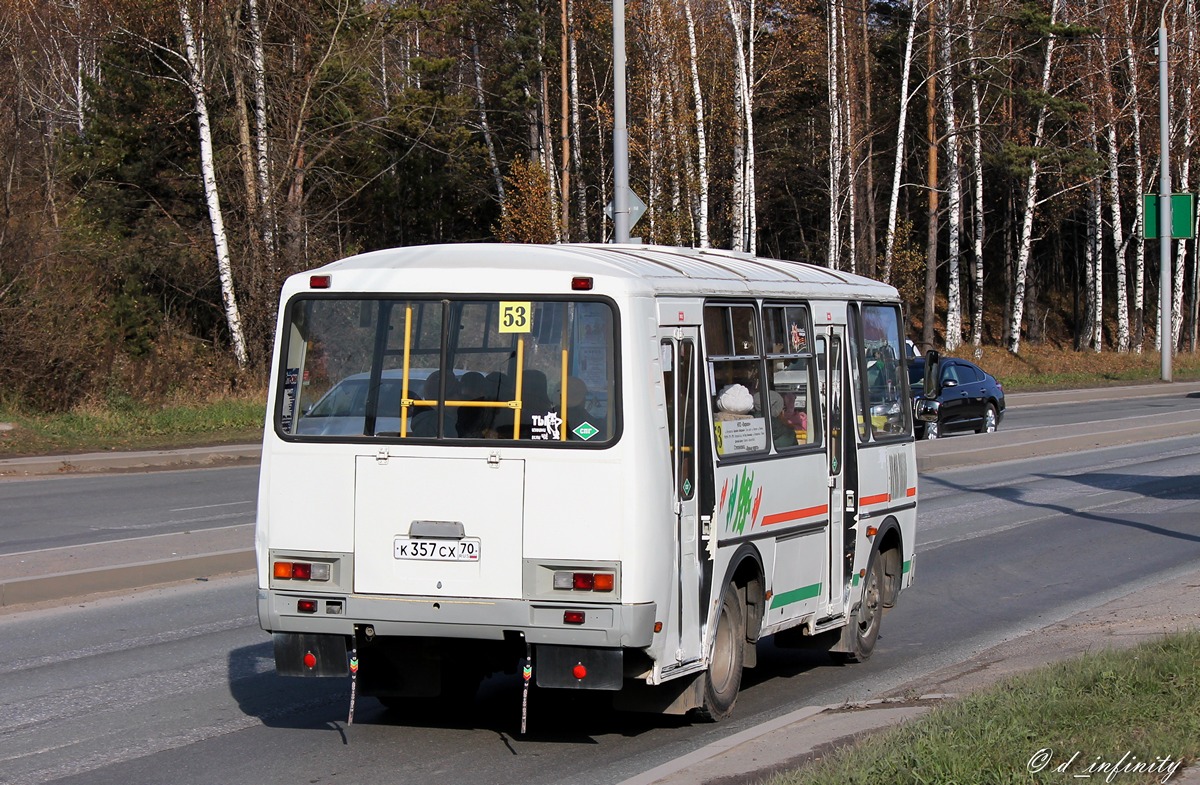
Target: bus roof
x,y
645,269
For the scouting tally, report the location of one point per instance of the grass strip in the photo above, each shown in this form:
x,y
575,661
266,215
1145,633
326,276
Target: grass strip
x,y
1127,716
131,427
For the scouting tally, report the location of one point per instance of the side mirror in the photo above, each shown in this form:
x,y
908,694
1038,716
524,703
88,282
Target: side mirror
x,y
933,374
927,409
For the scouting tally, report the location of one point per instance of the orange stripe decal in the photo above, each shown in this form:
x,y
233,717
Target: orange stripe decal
x,y
876,499
795,515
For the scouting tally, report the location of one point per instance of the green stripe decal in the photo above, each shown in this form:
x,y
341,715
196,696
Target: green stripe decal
x,y
908,566
796,595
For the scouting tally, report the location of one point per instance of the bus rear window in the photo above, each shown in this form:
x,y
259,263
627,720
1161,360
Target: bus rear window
x,y
458,370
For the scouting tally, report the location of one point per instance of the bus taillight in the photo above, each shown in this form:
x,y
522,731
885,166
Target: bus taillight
x,y
301,571
585,581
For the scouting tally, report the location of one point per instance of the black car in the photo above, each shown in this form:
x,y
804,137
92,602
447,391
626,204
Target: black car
x,y
970,398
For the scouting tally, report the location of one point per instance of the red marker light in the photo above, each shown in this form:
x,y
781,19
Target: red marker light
x,y
581,283
320,281
579,671
573,617
306,606
310,660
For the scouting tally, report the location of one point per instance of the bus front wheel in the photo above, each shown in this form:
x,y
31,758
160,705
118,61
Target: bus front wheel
x,y
723,678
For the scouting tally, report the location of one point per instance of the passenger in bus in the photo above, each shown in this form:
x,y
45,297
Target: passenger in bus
x,y
424,422
472,421
734,402
796,418
782,433
577,413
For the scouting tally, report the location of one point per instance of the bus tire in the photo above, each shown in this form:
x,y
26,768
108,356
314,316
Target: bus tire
x,y
723,678
860,635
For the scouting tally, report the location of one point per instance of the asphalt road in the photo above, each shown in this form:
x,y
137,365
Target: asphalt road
x,y
136,689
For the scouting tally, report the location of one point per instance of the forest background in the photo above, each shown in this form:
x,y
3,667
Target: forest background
x,y
167,163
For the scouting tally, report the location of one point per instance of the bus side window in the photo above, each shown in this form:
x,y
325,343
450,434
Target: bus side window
x,y
791,377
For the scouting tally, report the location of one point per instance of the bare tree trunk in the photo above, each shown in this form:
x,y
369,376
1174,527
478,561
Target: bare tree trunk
x,y
954,183
1139,249
743,176
977,171
1114,196
262,137
701,134
931,236
581,203
871,241
194,49
898,165
1025,244
836,138
484,125
564,126
1189,138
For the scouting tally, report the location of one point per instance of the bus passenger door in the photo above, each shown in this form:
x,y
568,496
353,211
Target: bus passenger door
x,y
680,380
841,494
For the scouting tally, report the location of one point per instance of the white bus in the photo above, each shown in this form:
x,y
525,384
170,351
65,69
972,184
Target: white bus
x,y
622,466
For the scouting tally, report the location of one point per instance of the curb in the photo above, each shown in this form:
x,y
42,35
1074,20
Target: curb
x,y
63,585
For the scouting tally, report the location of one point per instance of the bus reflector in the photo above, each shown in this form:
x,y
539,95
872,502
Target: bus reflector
x,y
320,281
573,617
579,671
310,660
306,606
581,283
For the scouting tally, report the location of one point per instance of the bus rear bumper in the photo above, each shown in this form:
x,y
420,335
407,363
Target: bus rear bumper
x,y
616,626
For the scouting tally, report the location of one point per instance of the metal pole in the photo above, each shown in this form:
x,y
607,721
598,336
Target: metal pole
x,y
620,132
1165,342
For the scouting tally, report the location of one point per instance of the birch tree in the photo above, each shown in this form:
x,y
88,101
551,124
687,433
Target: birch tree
x,y
1184,76
954,187
1025,242
977,234
901,127
1114,198
1139,249
194,44
701,134
836,134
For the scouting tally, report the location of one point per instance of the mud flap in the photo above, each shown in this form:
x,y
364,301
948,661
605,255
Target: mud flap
x,y
579,667
310,654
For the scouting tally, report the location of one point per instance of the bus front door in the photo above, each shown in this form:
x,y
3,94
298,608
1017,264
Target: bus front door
x,y
678,348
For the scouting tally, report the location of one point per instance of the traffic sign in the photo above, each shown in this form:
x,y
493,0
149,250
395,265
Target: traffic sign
x,y
637,208
1183,216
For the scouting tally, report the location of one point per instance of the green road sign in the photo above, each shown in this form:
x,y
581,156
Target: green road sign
x,y
1183,216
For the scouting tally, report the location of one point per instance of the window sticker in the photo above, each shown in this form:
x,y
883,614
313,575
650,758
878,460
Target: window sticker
x,y
515,317
291,377
545,426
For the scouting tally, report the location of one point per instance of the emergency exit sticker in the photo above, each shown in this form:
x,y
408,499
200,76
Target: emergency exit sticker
x,y
515,317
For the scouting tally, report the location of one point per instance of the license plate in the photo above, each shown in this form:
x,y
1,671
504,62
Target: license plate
x,y
466,549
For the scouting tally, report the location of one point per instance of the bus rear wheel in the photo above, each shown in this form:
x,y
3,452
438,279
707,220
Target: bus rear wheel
x,y
723,678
